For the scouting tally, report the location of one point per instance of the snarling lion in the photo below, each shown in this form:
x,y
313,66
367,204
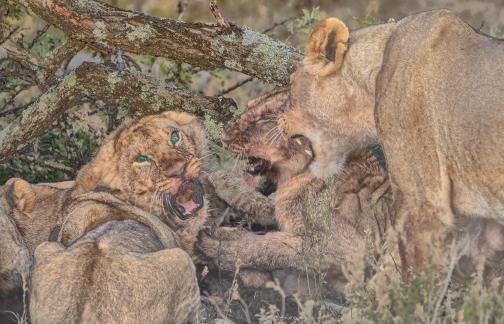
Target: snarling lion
x,y
127,236
428,88
333,220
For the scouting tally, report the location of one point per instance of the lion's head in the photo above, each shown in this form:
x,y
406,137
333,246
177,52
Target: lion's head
x,y
255,134
332,94
153,163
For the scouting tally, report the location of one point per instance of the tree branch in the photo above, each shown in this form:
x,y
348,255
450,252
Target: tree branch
x,y
121,88
102,25
43,70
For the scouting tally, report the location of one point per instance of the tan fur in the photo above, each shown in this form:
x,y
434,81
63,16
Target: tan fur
x,y
115,170
429,89
330,36
357,202
118,258
119,272
109,171
15,258
42,217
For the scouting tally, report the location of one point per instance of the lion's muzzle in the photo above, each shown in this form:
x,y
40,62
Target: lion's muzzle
x,y
188,200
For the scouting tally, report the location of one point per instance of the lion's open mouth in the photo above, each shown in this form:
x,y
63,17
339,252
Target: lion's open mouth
x,y
257,166
188,200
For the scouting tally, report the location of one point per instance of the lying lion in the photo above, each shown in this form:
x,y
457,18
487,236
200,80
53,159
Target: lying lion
x,y
428,88
338,219
118,258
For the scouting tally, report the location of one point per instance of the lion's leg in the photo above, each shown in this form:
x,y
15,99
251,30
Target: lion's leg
x,y
228,247
422,193
419,228
413,141
237,194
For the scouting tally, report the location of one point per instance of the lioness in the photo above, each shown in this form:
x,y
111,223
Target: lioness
x,y
132,206
332,220
427,88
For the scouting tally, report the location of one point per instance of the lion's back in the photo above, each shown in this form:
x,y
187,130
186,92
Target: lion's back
x,y
440,106
90,279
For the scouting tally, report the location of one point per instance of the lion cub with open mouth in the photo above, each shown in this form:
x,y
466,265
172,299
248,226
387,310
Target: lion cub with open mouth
x,y
322,224
132,209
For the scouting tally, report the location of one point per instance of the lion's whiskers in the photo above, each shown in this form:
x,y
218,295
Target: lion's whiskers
x,y
272,130
240,157
204,156
275,135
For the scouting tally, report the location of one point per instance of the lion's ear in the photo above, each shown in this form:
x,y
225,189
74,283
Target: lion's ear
x,y
326,47
20,195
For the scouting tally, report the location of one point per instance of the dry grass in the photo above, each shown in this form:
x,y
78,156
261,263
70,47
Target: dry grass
x,y
23,317
433,297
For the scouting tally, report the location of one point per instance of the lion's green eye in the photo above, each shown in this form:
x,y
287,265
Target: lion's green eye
x,y
174,137
142,158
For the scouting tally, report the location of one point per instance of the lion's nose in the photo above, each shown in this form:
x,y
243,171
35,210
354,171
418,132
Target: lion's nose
x,y
176,168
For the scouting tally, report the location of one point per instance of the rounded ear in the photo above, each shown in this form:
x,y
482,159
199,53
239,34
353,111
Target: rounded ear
x,y
20,195
326,47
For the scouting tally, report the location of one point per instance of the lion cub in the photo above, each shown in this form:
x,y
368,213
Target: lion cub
x,y
348,213
118,258
322,224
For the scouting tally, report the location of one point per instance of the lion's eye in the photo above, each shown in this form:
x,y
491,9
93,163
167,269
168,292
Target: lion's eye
x,y
142,158
175,137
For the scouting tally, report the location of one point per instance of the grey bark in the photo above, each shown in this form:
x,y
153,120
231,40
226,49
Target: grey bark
x,y
121,88
202,45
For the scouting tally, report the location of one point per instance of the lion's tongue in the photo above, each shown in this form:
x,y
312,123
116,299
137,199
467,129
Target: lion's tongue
x,y
189,207
186,200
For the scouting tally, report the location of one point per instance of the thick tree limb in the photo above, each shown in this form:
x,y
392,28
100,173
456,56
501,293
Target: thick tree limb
x,y
121,88
201,45
43,70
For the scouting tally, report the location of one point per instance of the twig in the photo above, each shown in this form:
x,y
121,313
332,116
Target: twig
x,y
218,15
235,86
276,286
481,26
52,165
42,71
53,63
181,8
131,62
245,309
275,25
12,32
217,308
39,35
455,254
11,97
